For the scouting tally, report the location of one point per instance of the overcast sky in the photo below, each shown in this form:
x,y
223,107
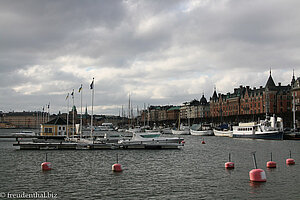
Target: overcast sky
x,y
161,51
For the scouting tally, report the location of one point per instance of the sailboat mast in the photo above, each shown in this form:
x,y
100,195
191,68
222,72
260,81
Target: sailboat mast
x,y
80,130
73,132
92,88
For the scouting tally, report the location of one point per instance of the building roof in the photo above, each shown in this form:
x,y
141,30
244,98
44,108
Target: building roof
x,y
174,108
203,100
270,83
57,121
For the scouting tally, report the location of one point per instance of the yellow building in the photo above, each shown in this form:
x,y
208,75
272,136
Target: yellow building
x,y
56,127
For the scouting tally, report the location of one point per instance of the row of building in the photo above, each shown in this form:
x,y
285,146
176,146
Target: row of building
x,y
244,103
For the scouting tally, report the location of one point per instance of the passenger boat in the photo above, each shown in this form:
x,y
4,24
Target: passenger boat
x,y
151,140
203,130
265,129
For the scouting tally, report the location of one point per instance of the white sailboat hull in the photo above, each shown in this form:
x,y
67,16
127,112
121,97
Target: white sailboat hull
x,y
220,133
180,132
203,133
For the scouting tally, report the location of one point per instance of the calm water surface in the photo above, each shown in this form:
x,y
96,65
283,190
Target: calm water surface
x,y
194,172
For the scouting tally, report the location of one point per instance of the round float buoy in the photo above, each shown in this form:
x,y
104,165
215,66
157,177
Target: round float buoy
x,y
290,161
46,166
202,141
271,164
182,142
116,167
229,165
257,175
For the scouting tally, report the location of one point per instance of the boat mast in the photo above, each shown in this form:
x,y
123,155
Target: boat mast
x,y
80,130
144,115
73,133
92,88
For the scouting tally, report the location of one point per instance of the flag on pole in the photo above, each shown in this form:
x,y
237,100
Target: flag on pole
x,y
92,84
67,96
79,90
72,94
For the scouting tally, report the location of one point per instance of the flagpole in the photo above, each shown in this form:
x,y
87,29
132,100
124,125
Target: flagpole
x,y
73,116
92,87
68,117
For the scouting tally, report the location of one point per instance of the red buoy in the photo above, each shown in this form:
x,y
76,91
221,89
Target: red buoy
x,y
257,175
229,165
46,166
271,164
202,141
116,167
182,142
290,161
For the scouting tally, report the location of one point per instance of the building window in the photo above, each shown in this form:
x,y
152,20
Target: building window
x,y
48,130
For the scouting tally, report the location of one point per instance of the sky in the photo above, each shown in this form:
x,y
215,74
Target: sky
x,y
160,52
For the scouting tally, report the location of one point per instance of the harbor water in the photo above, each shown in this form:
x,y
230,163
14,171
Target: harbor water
x,y
196,171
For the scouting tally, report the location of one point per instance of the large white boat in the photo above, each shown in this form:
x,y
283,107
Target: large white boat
x,y
151,140
203,130
265,129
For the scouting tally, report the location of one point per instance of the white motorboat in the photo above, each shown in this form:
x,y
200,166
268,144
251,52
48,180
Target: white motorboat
x,y
266,129
151,140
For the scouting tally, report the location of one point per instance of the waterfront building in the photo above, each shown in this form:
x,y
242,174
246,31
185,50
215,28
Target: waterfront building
x,y
56,127
271,99
25,119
